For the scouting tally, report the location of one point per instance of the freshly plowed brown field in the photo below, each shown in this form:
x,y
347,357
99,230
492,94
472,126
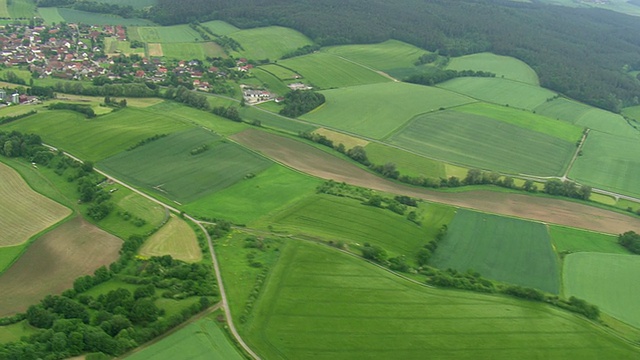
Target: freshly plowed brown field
x,y
310,160
24,212
53,262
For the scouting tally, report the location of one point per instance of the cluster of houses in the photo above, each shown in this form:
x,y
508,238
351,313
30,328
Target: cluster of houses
x,y
76,52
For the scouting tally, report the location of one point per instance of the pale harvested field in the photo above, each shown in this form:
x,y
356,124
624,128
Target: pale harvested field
x,y
24,212
313,161
53,262
155,49
175,238
339,138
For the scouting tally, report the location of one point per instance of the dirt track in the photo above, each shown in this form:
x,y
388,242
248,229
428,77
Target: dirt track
x,y
315,162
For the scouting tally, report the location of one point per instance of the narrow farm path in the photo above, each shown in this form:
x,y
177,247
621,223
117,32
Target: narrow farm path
x,y
576,154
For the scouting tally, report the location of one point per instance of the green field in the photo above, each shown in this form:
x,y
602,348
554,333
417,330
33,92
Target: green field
x,y
269,42
500,91
4,9
201,340
21,9
190,51
220,27
505,249
270,81
250,199
526,120
341,219
280,72
326,71
100,137
407,163
321,304
503,66
112,46
571,240
586,116
377,110
389,56
609,281
485,143
9,254
14,332
167,168
57,15
609,162
186,114
166,34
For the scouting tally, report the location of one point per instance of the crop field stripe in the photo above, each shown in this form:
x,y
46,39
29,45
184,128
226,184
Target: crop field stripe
x,y
21,9
486,143
385,56
571,240
505,249
404,319
4,10
220,27
23,211
609,281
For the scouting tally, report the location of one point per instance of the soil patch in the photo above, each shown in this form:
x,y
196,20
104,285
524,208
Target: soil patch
x,y
53,262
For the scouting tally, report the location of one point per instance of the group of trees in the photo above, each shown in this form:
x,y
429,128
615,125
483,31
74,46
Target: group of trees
x,y
81,108
229,112
424,254
116,321
567,188
437,76
187,97
300,102
631,241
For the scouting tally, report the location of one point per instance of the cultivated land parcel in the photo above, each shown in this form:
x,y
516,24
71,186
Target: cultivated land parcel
x,y
291,295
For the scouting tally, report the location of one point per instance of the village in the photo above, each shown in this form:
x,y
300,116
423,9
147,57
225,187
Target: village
x,y
77,52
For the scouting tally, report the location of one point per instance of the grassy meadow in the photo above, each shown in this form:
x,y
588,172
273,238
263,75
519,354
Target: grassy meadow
x,y
167,168
200,340
100,137
280,72
327,71
525,120
607,280
570,240
271,82
377,110
268,42
321,304
482,142
505,249
388,56
175,238
191,50
503,66
220,27
250,199
335,219
609,162
24,212
500,91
